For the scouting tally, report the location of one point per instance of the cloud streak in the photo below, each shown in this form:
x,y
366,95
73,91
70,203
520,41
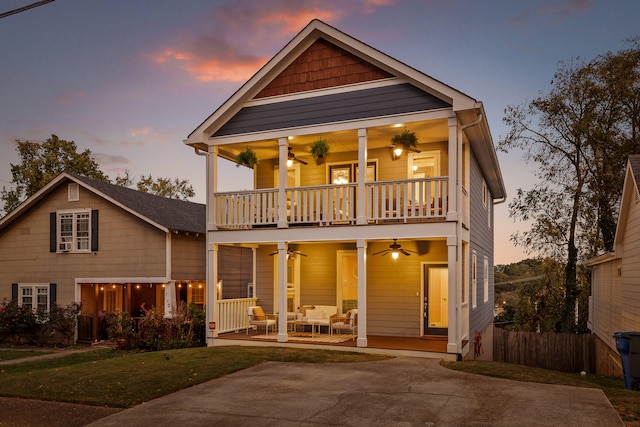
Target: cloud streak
x,y
557,11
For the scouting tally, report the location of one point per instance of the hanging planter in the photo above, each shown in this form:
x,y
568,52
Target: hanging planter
x,y
247,158
406,140
320,150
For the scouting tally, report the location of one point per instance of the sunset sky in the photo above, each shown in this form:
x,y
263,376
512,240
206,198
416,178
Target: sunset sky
x,y
130,79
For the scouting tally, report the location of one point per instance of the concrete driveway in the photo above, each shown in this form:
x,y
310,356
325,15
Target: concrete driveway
x,y
403,391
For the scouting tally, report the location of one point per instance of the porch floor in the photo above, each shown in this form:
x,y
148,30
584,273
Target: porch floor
x,y
427,343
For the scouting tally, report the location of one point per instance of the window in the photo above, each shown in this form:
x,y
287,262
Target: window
x,y
485,193
474,280
486,279
34,297
74,231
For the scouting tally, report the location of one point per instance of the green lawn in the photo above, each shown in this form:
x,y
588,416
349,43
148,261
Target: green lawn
x,y
105,377
626,402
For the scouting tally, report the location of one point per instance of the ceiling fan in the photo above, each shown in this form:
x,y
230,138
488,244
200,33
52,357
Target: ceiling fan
x,y
395,249
290,253
292,157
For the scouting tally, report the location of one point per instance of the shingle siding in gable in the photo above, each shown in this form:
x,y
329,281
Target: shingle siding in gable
x,y
367,103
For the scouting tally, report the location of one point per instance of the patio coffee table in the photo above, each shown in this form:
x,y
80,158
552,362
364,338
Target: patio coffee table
x,y
304,322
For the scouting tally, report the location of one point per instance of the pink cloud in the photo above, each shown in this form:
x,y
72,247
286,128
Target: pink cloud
x,y
224,52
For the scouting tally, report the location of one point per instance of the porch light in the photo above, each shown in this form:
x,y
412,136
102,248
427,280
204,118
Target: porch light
x,y
397,152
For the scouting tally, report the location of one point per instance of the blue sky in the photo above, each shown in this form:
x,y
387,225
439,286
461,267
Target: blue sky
x,y
129,80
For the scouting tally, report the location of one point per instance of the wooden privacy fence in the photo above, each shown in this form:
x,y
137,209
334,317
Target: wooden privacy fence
x,y
560,352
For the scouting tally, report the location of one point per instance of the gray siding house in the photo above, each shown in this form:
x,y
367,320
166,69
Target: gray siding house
x,y
402,238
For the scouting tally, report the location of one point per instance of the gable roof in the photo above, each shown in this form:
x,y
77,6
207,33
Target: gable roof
x,y
351,62
161,212
630,195
317,30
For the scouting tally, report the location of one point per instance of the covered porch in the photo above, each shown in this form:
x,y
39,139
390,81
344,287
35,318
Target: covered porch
x,y
399,289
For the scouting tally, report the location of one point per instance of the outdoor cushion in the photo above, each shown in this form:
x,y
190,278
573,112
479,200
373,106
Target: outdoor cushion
x,y
258,313
316,314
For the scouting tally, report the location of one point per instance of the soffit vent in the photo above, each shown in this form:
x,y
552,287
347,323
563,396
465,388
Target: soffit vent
x,y
73,192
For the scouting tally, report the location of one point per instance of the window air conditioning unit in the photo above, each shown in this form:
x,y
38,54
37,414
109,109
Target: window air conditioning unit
x,y
65,247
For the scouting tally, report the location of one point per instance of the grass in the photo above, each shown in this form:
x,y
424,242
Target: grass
x,y
626,402
105,377
20,354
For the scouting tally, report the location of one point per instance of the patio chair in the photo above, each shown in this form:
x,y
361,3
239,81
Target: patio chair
x,y
347,324
258,319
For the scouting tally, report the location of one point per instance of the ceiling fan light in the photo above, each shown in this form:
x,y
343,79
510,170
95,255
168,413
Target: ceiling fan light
x,y
289,162
395,254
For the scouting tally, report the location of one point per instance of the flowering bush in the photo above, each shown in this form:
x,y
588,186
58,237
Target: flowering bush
x,y
59,323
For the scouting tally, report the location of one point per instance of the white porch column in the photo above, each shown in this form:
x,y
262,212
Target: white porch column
x,y
211,188
454,171
282,290
211,294
362,175
283,155
169,299
362,293
454,295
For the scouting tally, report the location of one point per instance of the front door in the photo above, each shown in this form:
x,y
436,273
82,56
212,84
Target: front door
x,y
436,296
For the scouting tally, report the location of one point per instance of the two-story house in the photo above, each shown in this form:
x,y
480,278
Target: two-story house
x,y
405,236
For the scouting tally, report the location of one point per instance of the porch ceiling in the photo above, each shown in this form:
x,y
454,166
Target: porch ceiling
x,y
343,141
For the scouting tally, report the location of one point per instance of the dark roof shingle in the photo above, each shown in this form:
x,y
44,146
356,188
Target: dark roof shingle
x,y
177,215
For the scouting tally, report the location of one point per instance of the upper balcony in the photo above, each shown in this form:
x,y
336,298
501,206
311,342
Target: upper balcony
x,y
410,200
414,186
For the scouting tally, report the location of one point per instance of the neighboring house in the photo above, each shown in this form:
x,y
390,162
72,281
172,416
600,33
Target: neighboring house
x,y
109,247
614,304
330,222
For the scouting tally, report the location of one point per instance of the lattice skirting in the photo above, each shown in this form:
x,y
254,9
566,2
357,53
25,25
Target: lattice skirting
x,y
318,338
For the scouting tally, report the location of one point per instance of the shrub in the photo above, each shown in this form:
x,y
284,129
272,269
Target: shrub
x,y
58,325
121,332
17,324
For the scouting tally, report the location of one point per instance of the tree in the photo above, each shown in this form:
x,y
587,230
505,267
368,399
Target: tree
x,y
579,135
166,187
40,162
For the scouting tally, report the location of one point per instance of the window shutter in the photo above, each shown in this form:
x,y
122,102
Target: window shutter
x,y
52,294
94,230
53,236
14,292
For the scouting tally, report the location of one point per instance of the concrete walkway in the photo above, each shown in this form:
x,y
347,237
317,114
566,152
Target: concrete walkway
x,y
397,392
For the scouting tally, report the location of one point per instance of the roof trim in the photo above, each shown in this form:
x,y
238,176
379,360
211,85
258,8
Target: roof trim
x,y
85,183
629,189
55,183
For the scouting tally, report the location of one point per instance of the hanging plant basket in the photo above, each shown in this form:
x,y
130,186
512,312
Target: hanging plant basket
x,y
247,158
407,140
319,150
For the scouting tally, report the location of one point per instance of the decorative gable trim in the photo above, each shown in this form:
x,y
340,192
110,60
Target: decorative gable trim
x,y
322,65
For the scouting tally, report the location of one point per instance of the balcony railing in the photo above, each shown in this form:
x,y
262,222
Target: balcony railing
x,y
397,201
